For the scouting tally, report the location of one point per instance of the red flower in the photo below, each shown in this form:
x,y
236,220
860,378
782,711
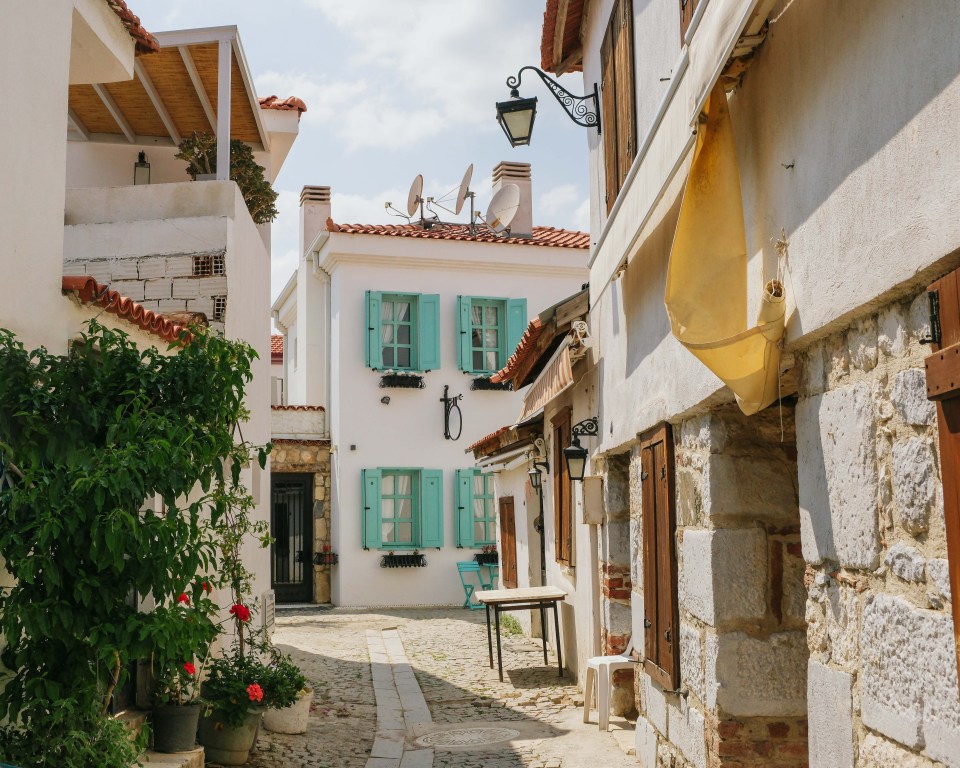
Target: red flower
x,y
183,598
240,611
206,587
255,692
189,668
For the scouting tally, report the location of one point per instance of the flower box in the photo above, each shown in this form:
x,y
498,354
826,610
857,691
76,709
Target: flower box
x,y
391,380
414,560
326,558
487,558
482,383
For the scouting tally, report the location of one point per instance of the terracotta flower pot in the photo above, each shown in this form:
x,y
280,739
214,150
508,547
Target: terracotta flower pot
x,y
292,719
226,744
175,727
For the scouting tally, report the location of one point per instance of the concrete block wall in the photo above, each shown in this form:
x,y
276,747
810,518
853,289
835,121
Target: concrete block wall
x,y
882,679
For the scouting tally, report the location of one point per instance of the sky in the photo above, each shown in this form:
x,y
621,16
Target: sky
x,y
396,88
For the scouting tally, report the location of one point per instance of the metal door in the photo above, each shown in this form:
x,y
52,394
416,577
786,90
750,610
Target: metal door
x,y
291,526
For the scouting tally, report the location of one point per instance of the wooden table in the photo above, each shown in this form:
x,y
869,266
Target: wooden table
x,y
530,598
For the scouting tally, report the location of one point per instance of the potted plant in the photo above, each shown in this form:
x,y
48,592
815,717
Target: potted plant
x,y
285,688
487,555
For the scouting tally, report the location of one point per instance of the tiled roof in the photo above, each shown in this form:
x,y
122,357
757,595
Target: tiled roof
x,y
276,348
526,348
543,236
288,104
297,408
571,35
146,43
89,291
483,441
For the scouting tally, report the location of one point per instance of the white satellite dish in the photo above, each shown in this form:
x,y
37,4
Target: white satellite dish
x,y
413,199
503,207
464,189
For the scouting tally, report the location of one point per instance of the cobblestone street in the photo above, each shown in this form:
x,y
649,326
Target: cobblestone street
x,y
447,652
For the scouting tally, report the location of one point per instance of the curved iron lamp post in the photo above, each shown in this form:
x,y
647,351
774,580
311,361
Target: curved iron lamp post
x,y
516,116
536,480
576,454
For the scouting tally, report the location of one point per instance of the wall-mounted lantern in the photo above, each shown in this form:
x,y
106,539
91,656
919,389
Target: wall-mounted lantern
x,y
141,169
576,454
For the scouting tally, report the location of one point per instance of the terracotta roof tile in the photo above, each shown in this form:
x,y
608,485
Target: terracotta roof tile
x,y
288,104
542,236
89,291
145,42
526,348
276,348
484,441
297,408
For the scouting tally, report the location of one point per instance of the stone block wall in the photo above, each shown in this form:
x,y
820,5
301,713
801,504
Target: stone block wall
x,y
882,679
311,456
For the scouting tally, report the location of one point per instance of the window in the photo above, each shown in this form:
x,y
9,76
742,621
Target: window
x,y
687,8
476,510
219,308
488,330
618,106
402,508
403,331
661,615
209,265
563,516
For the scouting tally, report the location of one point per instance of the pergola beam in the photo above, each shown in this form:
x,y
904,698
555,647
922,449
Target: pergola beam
x,y
114,111
224,74
198,86
251,91
77,124
157,102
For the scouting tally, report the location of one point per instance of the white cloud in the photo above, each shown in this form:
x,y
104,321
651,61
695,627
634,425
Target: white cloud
x,y
581,216
557,199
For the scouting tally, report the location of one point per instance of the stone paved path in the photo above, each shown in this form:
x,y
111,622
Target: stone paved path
x,y
441,653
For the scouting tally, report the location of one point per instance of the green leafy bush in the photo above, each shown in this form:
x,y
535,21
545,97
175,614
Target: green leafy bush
x,y
282,682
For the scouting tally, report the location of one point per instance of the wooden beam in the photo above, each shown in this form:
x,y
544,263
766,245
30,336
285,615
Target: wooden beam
x,y
157,102
224,74
251,91
558,30
198,86
77,124
115,112
575,57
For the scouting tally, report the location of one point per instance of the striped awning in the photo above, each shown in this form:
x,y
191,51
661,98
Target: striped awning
x,y
556,377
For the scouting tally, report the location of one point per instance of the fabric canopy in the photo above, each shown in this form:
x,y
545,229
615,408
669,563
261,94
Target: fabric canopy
x,y
556,377
706,294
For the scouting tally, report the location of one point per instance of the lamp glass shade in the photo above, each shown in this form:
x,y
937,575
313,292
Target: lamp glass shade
x,y
576,456
516,117
535,478
141,170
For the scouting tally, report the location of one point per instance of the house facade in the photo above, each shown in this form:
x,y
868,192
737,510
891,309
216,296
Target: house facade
x,y
396,330
776,443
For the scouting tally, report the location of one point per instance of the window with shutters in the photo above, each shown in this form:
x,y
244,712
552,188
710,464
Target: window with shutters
x,y
403,331
402,508
618,99
476,510
687,7
488,330
660,604
562,511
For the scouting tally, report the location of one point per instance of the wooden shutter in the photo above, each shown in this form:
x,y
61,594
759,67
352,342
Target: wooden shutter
x,y
516,324
464,336
370,513
608,110
431,508
941,386
508,543
428,329
660,604
464,514
372,345
563,527
687,7
626,102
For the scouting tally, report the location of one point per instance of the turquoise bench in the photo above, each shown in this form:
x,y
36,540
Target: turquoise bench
x,y
466,569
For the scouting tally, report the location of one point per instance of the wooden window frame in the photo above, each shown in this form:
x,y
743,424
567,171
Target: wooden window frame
x,y
618,101
414,475
659,546
564,547
426,513
414,324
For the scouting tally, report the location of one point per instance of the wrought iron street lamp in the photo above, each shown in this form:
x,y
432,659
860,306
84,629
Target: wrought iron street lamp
x,y
536,478
141,169
576,454
516,115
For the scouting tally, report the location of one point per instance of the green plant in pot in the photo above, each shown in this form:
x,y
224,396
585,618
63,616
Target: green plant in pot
x,y
200,152
285,688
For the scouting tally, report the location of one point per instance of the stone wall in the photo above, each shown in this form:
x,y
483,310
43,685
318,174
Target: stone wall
x,y
882,682
311,456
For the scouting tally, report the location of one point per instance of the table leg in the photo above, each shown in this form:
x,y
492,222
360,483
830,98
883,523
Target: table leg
x,y
496,616
543,632
556,629
489,636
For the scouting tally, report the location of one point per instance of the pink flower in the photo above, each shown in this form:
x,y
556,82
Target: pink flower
x,y
183,598
240,611
255,692
189,668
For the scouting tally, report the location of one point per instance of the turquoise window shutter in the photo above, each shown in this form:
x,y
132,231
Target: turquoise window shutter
x,y
516,323
429,341
464,326
370,513
372,347
464,514
431,508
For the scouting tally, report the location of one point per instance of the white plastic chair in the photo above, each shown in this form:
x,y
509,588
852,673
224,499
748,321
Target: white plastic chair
x,y
600,670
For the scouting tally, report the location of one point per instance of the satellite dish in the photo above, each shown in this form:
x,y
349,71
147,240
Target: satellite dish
x,y
503,207
413,199
464,188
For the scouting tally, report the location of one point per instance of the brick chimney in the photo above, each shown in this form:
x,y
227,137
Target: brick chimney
x,y
519,174
314,212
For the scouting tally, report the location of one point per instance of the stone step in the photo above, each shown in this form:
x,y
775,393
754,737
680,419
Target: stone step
x,y
191,759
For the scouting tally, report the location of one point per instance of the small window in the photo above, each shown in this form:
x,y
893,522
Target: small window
x,y
476,509
402,508
398,503
209,265
397,332
219,308
488,330
403,331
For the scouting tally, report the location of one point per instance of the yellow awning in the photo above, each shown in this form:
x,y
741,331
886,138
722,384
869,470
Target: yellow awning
x,y
556,376
706,294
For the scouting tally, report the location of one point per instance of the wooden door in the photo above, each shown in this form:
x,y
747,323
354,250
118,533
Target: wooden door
x,y
508,543
943,386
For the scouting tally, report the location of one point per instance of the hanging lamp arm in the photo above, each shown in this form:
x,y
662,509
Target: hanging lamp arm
x,y
577,107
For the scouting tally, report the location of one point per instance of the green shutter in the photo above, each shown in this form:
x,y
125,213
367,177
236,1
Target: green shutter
x,y
516,323
428,317
464,335
464,513
370,513
372,347
431,508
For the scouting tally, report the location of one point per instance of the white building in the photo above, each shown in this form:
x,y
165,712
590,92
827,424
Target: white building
x,y
382,322
790,570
